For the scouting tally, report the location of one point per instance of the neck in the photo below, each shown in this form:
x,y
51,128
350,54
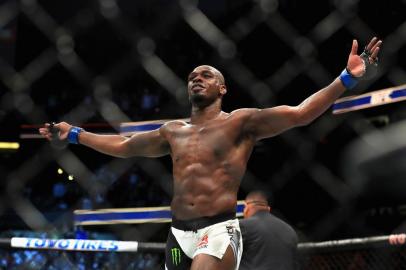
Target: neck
x,y
202,114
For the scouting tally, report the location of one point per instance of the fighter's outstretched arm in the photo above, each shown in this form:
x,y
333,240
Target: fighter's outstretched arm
x,y
147,144
263,123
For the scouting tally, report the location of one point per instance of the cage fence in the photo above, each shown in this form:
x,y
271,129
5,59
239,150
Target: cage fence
x,y
380,252
99,64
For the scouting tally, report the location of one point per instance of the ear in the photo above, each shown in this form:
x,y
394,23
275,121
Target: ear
x,y
223,89
245,211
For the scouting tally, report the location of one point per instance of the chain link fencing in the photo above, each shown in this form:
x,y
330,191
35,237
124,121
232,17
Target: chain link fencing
x,y
100,63
368,259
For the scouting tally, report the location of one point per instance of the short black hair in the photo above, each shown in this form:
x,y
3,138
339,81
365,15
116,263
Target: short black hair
x,y
258,196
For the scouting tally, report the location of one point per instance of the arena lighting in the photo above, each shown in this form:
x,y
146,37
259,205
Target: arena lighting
x,y
70,177
9,145
60,171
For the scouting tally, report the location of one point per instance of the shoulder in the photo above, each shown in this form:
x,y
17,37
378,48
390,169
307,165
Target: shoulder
x,y
252,230
244,112
172,125
259,221
282,227
248,224
175,123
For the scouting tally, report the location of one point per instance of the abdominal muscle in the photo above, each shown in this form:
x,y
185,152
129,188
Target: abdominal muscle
x,y
203,191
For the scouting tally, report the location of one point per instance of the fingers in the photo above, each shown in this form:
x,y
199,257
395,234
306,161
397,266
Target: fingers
x,y
48,130
45,129
374,54
376,45
371,44
354,48
52,126
373,49
45,132
49,126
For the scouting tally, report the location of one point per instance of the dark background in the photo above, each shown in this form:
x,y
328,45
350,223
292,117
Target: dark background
x,y
98,63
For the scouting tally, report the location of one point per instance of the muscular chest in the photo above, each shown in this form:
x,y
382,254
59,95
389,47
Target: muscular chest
x,y
212,141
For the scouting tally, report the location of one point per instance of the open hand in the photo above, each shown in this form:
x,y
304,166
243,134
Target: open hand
x,y
356,65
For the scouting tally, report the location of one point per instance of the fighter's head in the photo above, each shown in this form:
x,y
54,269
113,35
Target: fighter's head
x,y
254,202
205,85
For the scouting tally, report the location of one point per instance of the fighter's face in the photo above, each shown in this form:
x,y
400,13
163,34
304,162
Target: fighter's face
x,y
204,85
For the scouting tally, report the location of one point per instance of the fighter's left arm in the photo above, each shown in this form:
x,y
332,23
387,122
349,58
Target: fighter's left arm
x,y
263,123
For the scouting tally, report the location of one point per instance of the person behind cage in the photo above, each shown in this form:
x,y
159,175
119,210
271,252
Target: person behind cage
x,y
269,242
210,155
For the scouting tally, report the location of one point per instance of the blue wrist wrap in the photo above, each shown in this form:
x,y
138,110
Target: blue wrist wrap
x,y
348,80
73,135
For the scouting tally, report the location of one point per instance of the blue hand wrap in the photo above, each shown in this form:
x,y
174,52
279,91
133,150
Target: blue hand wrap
x,y
73,135
348,80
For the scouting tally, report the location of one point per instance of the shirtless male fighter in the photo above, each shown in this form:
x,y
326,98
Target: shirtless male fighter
x,y
209,157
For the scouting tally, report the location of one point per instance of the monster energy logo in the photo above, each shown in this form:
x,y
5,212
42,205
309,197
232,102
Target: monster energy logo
x,y
175,256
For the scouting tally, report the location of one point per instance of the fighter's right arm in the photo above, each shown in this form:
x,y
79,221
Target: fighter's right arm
x,y
146,144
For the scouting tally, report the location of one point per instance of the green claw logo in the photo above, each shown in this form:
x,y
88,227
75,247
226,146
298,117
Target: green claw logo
x,y
176,256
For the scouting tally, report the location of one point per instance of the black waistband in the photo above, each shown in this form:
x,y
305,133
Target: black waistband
x,y
199,223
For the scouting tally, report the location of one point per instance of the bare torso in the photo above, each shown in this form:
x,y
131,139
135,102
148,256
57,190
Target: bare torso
x,y
209,161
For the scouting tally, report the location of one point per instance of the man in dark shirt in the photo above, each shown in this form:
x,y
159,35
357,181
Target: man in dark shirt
x,y
269,243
